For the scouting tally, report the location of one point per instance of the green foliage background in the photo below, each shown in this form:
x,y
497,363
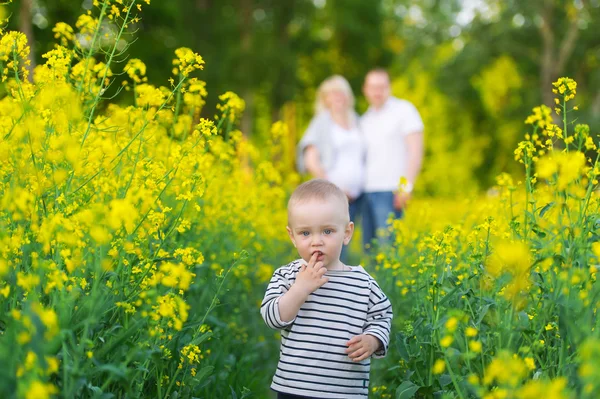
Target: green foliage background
x,y
489,61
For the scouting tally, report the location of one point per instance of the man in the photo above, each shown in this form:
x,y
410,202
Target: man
x,y
393,133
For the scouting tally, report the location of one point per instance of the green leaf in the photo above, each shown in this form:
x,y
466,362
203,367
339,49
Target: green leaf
x,y
406,390
445,379
538,230
116,371
202,374
202,338
546,208
449,296
246,393
483,312
120,339
402,349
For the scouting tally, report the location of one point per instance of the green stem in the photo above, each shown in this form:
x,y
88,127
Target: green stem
x,y
159,384
565,126
106,68
454,380
92,45
177,105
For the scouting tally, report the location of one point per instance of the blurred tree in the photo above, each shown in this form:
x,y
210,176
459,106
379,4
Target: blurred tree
x,y
499,59
250,46
25,26
276,53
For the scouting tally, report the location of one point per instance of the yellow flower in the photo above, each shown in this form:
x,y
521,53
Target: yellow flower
x,y
27,281
190,354
64,32
86,25
535,389
473,379
136,70
451,324
40,390
187,61
567,87
439,366
505,370
542,116
49,318
475,346
232,106
446,341
53,365
471,332
510,257
530,363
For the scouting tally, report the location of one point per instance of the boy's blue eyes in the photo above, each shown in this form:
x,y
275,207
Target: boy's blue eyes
x,y
326,232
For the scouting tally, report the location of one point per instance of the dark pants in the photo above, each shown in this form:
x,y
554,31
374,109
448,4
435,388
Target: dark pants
x,y
376,210
290,396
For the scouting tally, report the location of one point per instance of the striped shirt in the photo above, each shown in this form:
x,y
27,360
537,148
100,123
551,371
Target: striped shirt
x,y
313,361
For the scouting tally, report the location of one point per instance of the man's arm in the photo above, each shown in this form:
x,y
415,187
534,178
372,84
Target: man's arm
x,y
415,149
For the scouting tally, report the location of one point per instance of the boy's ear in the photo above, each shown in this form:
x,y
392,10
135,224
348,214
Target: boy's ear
x,y
348,233
290,234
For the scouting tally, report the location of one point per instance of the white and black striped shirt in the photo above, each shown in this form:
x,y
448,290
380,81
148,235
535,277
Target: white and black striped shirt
x,y
313,361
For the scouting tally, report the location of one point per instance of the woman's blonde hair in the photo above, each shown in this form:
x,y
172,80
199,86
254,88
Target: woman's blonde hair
x,y
335,82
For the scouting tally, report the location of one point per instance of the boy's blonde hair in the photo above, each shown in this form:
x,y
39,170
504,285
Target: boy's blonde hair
x,y
318,189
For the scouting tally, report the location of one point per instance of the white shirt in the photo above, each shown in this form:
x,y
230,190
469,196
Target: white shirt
x,y
348,170
384,131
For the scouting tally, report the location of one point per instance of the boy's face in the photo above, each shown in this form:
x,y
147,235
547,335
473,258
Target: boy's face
x,y
320,226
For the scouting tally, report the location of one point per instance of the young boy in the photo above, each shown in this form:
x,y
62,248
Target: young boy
x,y
332,317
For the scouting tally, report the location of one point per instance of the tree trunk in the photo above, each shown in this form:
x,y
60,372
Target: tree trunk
x,y
285,72
554,60
246,8
203,5
547,61
26,27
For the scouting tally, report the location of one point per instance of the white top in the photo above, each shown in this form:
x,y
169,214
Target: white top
x,y
312,360
348,169
384,131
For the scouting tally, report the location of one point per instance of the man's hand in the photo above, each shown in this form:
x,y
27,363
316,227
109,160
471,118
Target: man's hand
x,y
310,277
400,200
360,347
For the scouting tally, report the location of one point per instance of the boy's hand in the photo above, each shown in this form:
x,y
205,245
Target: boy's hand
x,y
310,277
360,347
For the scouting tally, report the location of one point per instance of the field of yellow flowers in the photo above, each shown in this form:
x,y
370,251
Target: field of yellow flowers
x,y
136,241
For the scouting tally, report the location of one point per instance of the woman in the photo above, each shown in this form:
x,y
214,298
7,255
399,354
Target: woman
x,y
332,146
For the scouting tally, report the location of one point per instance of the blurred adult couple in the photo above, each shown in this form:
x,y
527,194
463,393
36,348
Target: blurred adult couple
x,y
366,156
